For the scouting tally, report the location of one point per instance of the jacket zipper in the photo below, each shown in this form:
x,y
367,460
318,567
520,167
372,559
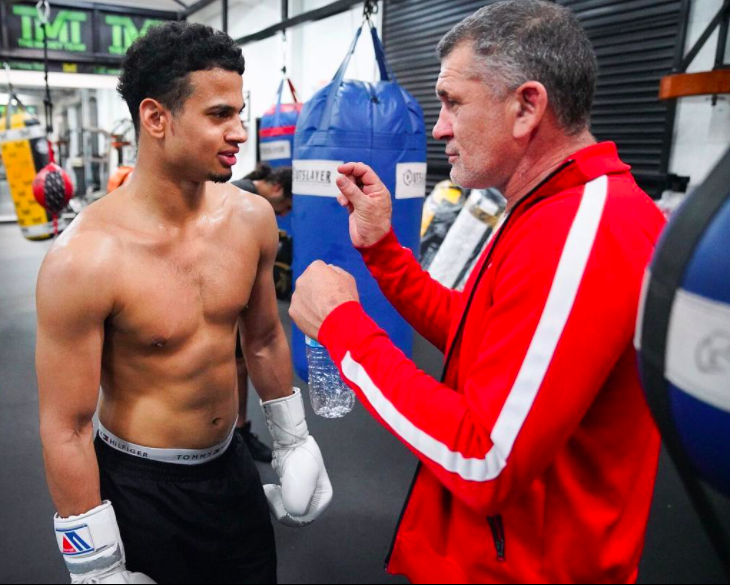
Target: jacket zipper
x,y
402,513
498,542
497,527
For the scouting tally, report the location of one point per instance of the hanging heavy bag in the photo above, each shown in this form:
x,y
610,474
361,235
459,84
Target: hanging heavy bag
x,y
381,125
467,238
276,137
440,211
25,151
683,338
278,125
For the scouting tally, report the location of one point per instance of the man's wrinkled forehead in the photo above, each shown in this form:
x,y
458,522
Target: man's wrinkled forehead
x,y
459,65
460,71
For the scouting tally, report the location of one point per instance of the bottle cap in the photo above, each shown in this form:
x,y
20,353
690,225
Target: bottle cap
x,y
312,342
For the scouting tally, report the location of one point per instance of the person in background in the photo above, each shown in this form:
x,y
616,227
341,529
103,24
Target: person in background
x,y
274,185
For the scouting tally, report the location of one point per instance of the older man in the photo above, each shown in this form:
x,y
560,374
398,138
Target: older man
x,y
538,451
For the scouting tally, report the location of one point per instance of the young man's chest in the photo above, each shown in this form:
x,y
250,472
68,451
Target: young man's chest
x,y
169,294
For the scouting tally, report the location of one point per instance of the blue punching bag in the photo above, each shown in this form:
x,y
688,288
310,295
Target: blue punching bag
x,y
278,125
683,338
381,125
276,137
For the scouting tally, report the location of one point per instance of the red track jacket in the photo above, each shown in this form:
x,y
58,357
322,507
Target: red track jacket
x,y
538,451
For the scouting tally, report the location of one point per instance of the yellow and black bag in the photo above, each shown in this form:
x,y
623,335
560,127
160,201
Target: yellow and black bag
x,y
24,151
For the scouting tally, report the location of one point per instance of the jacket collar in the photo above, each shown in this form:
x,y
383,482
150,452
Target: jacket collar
x,y
582,167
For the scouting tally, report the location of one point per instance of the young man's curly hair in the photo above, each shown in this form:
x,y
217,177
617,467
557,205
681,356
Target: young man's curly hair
x,y
157,65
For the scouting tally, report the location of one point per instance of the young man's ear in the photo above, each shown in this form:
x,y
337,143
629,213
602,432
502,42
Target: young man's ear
x,y
153,118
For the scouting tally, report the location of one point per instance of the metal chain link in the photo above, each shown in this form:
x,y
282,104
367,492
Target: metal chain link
x,y
284,52
44,16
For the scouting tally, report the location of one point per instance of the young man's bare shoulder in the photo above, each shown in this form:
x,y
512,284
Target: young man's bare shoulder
x,y
249,209
87,249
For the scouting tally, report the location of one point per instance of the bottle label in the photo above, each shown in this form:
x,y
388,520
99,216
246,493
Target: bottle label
x,y
312,342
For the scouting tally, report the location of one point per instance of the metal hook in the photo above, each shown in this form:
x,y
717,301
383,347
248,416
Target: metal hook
x,y
44,11
284,52
370,7
12,93
7,75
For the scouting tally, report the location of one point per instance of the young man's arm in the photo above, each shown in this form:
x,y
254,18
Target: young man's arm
x,y
74,298
72,304
263,340
305,490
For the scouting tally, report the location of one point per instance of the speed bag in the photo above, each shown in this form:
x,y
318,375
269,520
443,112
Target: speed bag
x,y
381,125
683,334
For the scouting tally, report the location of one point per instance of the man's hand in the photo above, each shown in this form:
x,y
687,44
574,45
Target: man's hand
x,y
368,201
319,291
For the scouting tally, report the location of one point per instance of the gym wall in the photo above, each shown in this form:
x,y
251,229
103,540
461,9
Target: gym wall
x,y
637,43
702,131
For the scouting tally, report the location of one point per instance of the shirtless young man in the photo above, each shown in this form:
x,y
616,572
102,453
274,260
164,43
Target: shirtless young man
x,y
143,295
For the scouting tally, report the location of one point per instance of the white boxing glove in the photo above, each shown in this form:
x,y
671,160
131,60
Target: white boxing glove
x,y
92,548
305,490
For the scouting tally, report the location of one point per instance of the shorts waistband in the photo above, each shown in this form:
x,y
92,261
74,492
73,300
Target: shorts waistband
x,y
174,456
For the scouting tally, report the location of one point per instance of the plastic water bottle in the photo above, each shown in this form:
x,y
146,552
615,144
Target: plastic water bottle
x,y
331,397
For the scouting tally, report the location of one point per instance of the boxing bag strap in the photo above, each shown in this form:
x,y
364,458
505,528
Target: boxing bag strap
x,y
386,73
8,111
668,271
13,97
279,95
340,75
293,90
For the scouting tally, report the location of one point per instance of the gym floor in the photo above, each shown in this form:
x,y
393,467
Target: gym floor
x,y
370,471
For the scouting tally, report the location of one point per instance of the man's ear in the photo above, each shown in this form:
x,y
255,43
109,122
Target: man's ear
x,y
531,100
154,118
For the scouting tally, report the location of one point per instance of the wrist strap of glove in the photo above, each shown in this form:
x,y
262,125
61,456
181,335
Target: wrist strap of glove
x,y
90,543
285,418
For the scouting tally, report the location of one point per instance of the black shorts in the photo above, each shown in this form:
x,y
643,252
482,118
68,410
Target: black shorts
x,y
206,523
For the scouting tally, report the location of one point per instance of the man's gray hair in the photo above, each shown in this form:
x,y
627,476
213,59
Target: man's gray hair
x,y
532,40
